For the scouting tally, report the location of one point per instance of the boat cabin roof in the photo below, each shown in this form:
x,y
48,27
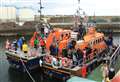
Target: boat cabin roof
x,y
90,37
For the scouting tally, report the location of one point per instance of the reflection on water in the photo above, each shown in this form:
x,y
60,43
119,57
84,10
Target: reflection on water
x,y
16,76
10,75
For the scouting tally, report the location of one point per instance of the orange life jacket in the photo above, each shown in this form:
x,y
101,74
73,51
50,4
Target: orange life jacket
x,y
49,40
62,45
32,41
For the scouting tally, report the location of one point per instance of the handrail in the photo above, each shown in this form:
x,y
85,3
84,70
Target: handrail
x,y
115,52
88,58
114,55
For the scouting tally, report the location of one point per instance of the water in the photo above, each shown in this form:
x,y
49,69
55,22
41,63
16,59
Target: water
x,y
10,75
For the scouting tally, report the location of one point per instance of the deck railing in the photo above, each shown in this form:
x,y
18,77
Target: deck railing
x,y
114,57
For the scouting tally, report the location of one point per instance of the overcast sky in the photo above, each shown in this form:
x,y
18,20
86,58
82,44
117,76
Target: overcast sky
x,y
68,7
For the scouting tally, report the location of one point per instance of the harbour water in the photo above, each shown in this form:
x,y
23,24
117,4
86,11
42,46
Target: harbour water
x,y
8,74
11,75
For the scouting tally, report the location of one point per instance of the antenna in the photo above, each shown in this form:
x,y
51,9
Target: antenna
x,y
78,15
78,4
40,11
39,25
94,18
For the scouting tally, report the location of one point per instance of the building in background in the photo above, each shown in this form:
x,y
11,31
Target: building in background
x,y
21,15
44,18
7,14
26,14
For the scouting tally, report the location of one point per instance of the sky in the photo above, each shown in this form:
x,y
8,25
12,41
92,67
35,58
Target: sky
x,y
68,7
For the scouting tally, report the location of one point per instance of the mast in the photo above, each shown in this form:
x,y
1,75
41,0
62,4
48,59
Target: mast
x,y
39,25
78,12
77,15
40,10
94,18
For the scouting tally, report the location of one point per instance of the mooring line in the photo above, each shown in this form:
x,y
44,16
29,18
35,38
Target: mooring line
x,y
27,70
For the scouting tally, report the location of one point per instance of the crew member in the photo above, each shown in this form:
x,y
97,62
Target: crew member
x,y
105,70
7,44
42,43
53,49
36,43
25,47
20,43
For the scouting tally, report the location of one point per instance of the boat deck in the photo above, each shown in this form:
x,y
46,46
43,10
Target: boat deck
x,y
22,55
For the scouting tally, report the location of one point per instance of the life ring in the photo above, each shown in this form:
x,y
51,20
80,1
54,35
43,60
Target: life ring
x,y
48,59
70,62
56,62
66,62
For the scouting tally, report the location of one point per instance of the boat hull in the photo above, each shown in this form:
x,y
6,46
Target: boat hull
x,y
20,63
65,73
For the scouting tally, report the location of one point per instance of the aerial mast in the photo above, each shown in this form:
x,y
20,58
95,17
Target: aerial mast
x,y
39,25
94,18
40,10
78,12
77,15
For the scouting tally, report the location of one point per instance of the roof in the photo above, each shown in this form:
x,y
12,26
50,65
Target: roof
x,y
79,79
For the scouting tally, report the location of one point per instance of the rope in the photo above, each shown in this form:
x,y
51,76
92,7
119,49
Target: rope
x,y
27,70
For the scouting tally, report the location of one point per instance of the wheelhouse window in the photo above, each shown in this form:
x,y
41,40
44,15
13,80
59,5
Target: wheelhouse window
x,y
91,43
94,42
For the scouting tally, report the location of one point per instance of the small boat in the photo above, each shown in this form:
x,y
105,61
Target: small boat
x,y
21,61
30,60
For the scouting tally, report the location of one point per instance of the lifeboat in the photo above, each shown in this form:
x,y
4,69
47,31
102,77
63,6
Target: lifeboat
x,y
92,46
